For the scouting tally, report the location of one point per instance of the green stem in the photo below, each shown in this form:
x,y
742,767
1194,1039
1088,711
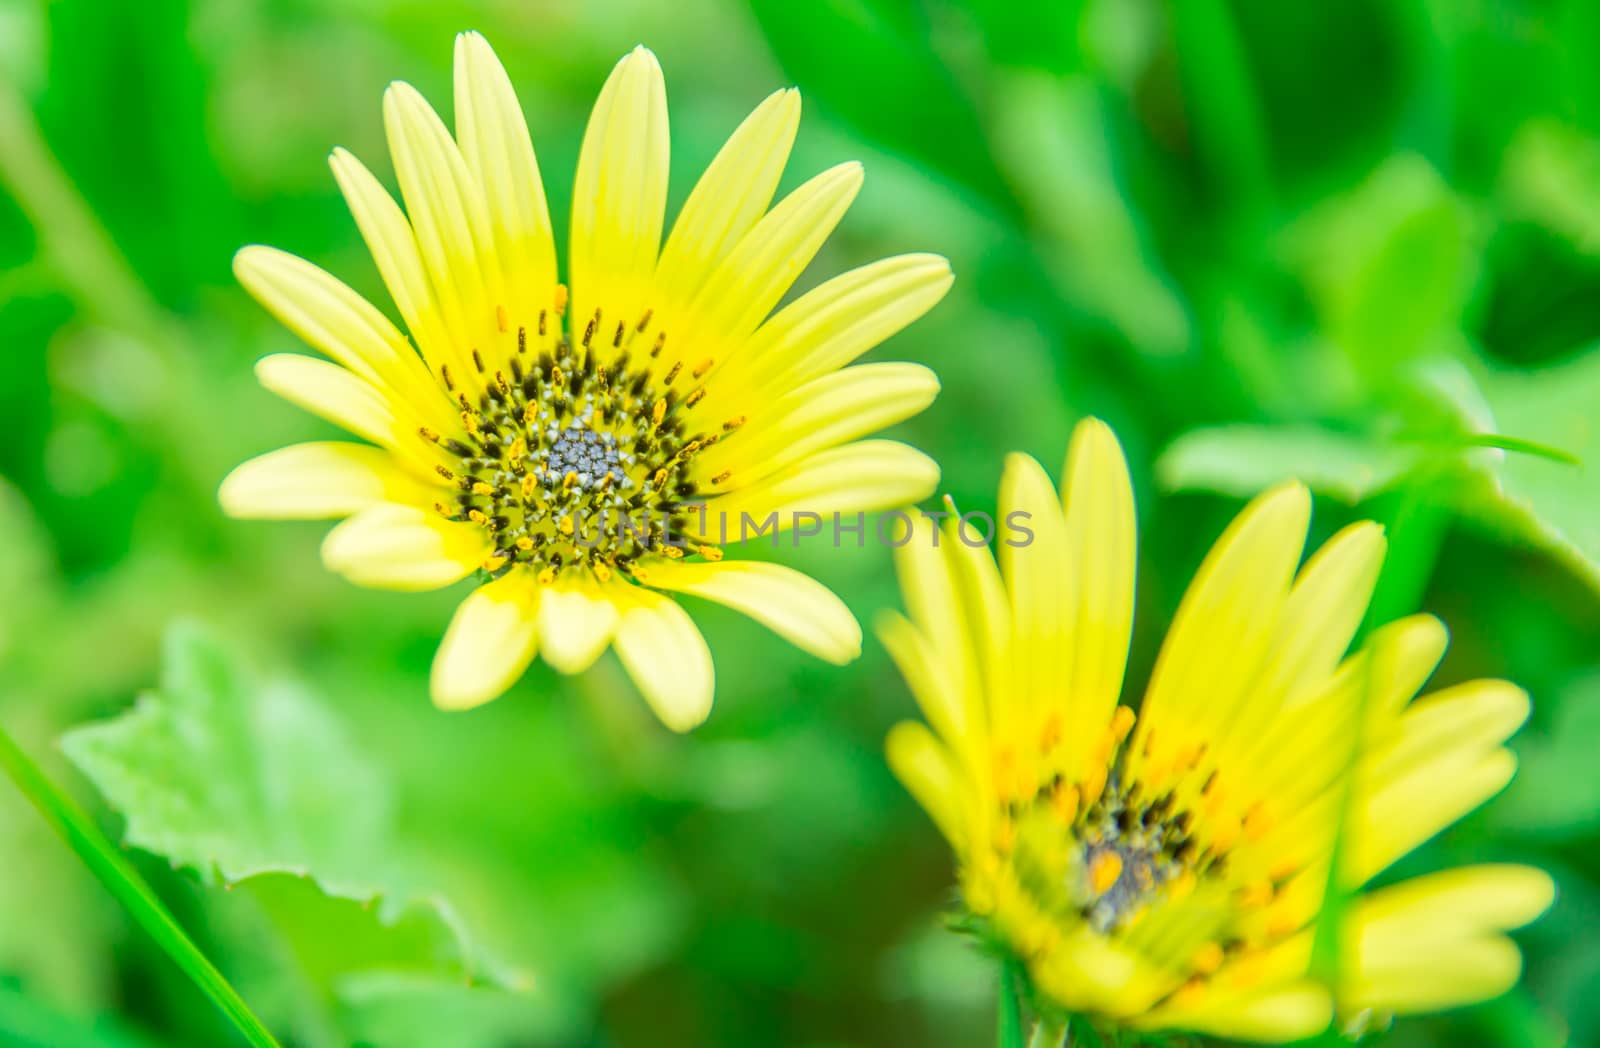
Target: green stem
x,y
1010,1006
1048,1035
101,856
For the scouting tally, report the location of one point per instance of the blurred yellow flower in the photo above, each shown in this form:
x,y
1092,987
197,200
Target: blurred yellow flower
x,y
559,443
1166,870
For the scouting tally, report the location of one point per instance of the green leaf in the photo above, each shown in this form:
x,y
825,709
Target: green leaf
x,y
871,63
1556,792
234,780
1053,136
1533,498
1387,264
1552,176
119,878
1243,460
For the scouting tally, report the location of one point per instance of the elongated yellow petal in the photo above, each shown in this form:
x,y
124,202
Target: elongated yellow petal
x,y
1100,538
499,153
1470,970
822,414
1404,812
795,606
667,658
329,391
451,221
316,481
863,476
730,197
928,771
1271,1016
1225,624
765,264
393,244
387,546
619,196
830,326
490,642
1039,580
942,640
334,319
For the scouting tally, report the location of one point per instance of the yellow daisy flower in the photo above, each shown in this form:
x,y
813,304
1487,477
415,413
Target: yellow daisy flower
x,y
560,441
1166,869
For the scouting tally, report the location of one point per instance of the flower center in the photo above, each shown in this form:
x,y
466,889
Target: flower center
x,y
1130,850
566,461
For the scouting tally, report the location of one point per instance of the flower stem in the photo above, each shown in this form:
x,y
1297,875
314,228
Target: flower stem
x,y
1010,1006
80,833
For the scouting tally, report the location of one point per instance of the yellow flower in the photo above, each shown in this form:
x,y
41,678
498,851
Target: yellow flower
x,y
560,442
1166,870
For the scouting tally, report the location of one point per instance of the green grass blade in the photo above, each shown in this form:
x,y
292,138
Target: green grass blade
x,y
119,877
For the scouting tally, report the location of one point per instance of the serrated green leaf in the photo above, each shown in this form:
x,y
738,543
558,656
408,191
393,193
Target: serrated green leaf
x,y
232,779
1245,459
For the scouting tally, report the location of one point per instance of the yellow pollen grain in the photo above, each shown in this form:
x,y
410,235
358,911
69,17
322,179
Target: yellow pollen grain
x,y
657,413
428,434
480,488
476,516
525,544
547,576
673,552
696,397
709,552
733,423
602,571
722,478
702,368
494,564
443,472
519,450
1122,723
529,485
1104,870
561,299
566,526
1065,803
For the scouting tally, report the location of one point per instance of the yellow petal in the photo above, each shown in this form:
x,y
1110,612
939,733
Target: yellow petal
x,y
1474,969
730,197
943,639
576,621
388,546
1452,903
334,319
830,326
1272,1016
314,482
765,264
329,391
1101,556
928,772
1038,580
863,476
922,666
1404,812
667,658
450,219
499,152
393,244
793,605
490,642
619,195
822,414
1468,718
1225,624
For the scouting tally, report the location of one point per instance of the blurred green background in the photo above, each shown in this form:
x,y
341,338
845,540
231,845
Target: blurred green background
x,y
1357,241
